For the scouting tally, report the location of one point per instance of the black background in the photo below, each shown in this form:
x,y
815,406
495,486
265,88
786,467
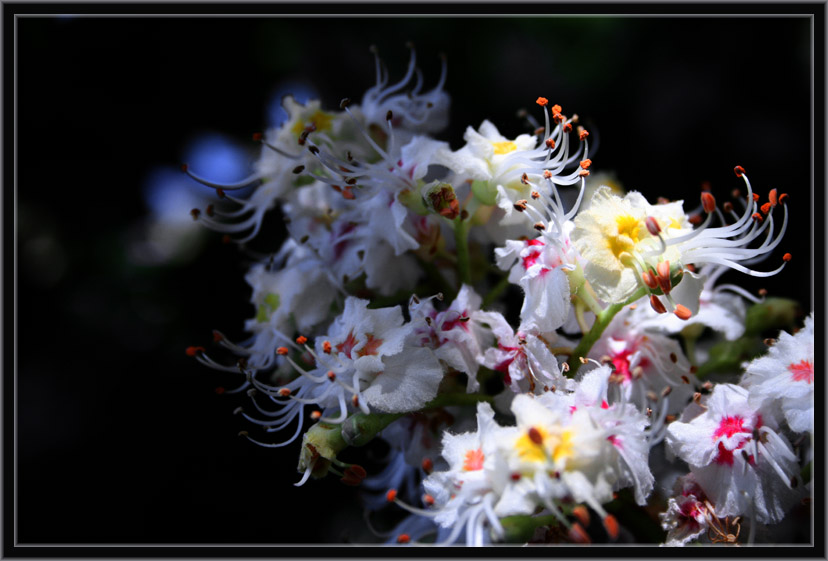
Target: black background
x,y
120,437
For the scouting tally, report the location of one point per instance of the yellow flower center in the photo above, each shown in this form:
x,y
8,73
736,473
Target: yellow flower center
x,y
320,119
504,147
627,238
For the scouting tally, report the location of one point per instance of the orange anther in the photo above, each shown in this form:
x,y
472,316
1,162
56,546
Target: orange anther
x,y
583,173
547,174
192,351
586,163
577,534
695,219
428,499
663,269
282,351
284,392
355,400
582,514
428,465
649,280
403,538
331,375
708,202
787,257
316,415
765,208
301,339
550,143
739,170
542,101
567,127
756,216
326,347
611,525
782,198
557,109
682,312
657,305
583,134
391,495
772,197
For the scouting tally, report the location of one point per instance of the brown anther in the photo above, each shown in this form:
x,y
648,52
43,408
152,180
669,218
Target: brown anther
x,y
739,170
611,526
403,538
652,226
542,101
389,115
539,226
284,392
782,198
298,169
539,131
391,495
355,400
535,195
637,372
708,202
282,351
192,351
728,207
735,193
651,395
524,179
582,514
666,391
535,436
682,312
313,150
772,197
657,305
194,213
787,257
756,216
316,415
331,375
669,418
550,143
695,219
427,465
685,379
326,347
769,341
209,210
344,103
520,205
673,358
696,397
567,128
582,133
301,339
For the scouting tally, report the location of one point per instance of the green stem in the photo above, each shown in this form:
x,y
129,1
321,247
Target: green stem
x,y
602,320
495,292
461,231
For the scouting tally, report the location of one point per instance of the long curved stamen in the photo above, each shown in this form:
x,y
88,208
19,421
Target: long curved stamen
x,y
246,182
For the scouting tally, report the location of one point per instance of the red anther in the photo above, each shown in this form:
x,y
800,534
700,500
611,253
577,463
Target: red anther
x,y
331,375
535,436
739,170
348,194
782,198
682,312
649,280
326,347
708,202
556,109
583,134
755,197
542,101
219,390
282,351
695,219
567,127
192,351
772,197
316,415
403,538
336,188
220,193
787,257
301,339
524,179
657,305
550,143
218,337
428,499
209,210
257,136
184,168
577,534
284,392
756,216
690,267
355,400
652,226
611,526
765,208
194,213
582,514
586,163
515,476
391,495
427,465
583,173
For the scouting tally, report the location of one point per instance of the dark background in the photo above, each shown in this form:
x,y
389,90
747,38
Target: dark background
x,y
120,437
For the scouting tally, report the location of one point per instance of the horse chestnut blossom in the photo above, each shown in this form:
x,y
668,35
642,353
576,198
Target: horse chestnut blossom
x,y
390,310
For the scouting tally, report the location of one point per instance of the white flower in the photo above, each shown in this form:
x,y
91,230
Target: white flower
x,y
785,376
686,517
737,457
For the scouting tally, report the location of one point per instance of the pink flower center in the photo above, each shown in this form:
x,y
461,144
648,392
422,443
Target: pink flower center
x,y
348,345
729,426
802,371
473,460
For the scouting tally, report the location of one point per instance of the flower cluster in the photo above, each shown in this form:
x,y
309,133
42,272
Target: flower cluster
x,y
512,414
